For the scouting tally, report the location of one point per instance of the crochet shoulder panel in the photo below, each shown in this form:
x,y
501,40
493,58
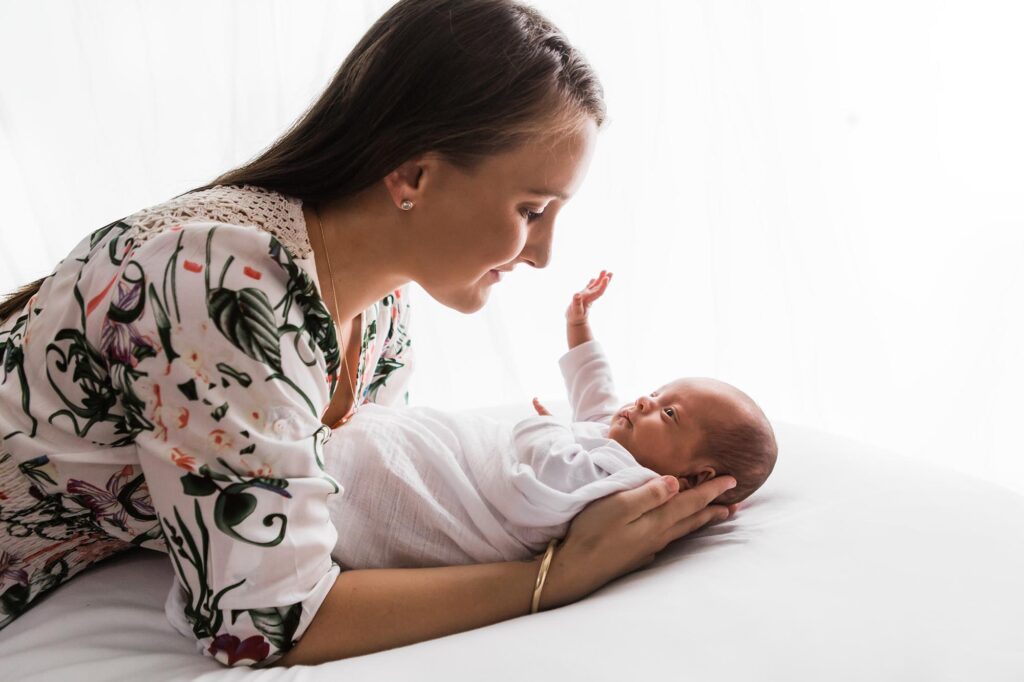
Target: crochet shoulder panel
x,y
264,209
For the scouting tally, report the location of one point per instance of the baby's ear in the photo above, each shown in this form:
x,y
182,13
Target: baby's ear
x,y
694,480
691,481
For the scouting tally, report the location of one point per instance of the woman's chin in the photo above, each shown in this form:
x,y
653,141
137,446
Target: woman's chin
x,y
466,300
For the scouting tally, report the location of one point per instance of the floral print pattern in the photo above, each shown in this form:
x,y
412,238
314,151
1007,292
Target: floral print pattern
x,y
168,394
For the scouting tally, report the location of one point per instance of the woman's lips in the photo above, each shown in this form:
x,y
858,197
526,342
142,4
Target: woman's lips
x,y
495,275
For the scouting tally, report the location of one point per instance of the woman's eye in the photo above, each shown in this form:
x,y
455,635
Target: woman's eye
x,y
531,215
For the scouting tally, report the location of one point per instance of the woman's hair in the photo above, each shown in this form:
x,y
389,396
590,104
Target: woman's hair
x,y
463,78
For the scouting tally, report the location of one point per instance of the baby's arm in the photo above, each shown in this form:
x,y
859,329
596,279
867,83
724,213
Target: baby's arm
x,y
577,324
586,371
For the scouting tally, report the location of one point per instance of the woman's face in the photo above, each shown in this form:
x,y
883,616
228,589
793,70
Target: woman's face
x,y
473,226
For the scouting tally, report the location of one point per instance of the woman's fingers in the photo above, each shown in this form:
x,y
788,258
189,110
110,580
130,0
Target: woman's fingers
x,y
715,513
649,496
690,502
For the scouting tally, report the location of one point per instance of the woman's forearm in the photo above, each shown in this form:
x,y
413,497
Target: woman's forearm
x,y
376,609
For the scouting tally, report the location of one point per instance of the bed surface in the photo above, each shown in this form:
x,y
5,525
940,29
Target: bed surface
x,y
849,564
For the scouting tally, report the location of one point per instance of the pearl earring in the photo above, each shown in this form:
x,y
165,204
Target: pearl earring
x,y
406,205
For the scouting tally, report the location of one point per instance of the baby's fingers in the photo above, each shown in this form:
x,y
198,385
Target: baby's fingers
x,y
596,287
541,410
577,304
602,284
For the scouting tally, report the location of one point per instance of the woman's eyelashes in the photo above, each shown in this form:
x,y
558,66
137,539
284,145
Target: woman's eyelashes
x,y
531,215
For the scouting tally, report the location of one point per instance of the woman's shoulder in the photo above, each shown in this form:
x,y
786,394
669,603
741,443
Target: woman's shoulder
x,y
244,206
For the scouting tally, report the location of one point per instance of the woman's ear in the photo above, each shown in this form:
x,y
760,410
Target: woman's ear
x,y
408,181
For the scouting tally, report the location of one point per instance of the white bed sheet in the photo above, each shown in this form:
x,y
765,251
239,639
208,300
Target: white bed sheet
x,y
850,564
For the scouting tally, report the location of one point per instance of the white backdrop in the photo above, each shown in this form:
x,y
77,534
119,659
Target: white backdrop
x,y
818,201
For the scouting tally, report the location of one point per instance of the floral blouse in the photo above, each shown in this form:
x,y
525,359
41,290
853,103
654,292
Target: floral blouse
x,y
164,389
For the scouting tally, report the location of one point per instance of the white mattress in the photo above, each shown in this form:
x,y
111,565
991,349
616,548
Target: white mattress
x,y
850,564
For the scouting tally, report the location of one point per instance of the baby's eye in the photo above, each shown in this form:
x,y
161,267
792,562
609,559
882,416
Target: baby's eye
x,y
670,412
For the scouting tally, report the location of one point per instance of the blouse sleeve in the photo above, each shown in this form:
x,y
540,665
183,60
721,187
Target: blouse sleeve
x,y
588,381
390,384
232,370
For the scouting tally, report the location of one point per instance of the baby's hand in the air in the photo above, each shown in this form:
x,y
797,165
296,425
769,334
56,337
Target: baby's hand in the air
x,y
582,300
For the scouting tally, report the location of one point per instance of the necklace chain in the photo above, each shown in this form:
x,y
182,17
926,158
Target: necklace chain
x,y
330,275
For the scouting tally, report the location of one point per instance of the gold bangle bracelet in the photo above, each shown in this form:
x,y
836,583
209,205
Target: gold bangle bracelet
x,y
542,574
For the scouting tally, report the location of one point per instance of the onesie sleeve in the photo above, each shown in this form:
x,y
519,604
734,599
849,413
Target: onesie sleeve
x,y
229,369
390,383
588,381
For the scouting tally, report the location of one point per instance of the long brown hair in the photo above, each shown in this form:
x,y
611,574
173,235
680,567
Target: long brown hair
x,y
463,78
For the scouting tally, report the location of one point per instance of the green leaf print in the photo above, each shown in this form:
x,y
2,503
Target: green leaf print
x,y
242,378
188,389
13,360
163,324
197,486
15,599
233,508
96,397
128,308
219,412
246,319
202,608
277,625
38,470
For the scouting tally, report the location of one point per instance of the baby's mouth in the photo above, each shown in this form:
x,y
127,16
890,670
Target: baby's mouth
x,y
625,417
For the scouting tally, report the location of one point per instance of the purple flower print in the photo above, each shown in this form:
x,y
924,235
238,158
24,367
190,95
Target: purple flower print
x,y
230,650
119,340
105,504
9,568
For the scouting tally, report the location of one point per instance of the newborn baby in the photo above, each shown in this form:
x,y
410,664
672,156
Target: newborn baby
x,y
693,429
423,487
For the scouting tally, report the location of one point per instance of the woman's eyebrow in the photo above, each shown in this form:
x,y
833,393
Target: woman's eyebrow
x,y
548,193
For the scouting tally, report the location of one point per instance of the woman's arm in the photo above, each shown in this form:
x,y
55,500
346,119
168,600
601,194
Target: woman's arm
x,y
376,609
219,372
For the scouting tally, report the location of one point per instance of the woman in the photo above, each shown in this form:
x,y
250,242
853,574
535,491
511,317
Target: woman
x,y
171,384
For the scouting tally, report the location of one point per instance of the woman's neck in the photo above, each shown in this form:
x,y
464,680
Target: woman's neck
x,y
364,260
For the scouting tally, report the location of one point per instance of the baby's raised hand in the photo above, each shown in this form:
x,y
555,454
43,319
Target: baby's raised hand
x,y
581,300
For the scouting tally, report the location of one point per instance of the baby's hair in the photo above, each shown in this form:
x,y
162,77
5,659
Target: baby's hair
x,y
745,450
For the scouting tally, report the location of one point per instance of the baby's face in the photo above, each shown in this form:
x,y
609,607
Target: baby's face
x,y
663,430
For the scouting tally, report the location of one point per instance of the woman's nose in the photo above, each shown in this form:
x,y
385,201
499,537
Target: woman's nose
x,y
537,251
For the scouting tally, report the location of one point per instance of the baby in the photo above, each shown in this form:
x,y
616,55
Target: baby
x,y
424,487
693,428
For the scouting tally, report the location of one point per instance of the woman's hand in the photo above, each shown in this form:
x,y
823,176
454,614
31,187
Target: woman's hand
x,y
622,532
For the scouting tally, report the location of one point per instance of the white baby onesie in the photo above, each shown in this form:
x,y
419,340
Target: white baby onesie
x,y
423,487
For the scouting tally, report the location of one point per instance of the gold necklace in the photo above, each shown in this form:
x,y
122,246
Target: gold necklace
x,y
344,352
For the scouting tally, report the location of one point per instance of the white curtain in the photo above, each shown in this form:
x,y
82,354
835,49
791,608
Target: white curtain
x,y
818,201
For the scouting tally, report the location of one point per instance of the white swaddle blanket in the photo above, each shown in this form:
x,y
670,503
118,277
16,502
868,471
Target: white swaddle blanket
x,y
423,487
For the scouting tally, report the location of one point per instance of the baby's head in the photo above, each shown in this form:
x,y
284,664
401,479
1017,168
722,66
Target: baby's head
x,y
696,429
